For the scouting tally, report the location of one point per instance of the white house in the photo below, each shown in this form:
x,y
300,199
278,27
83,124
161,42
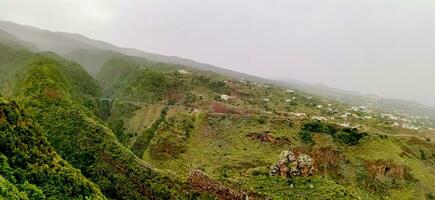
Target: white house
x,y
367,117
299,114
345,115
182,71
411,127
225,97
345,125
320,118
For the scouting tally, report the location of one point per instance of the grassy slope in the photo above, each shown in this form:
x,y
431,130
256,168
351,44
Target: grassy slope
x,y
60,96
192,135
217,144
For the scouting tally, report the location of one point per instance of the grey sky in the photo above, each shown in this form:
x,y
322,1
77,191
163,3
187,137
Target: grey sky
x,y
385,47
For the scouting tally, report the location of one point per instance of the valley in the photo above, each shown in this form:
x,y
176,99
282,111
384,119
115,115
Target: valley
x,y
95,121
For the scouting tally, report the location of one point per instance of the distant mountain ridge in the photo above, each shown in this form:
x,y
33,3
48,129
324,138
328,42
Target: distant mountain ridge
x,y
93,54
66,44
142,129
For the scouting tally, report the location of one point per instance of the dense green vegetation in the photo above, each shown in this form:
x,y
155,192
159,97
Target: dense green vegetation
x,y
142,142
53,92
346,135
140,128
31,166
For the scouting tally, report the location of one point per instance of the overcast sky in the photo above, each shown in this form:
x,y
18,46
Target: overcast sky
x,y
385,47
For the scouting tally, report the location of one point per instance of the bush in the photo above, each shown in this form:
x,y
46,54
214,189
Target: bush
x,y
422,155
262,119
320,127
349,136
306,137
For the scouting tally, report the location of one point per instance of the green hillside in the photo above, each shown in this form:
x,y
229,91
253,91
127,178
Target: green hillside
x,y
142,129
30,168
178,122
63,98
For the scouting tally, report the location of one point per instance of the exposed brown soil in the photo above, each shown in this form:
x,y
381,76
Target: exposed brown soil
x,y
218,107
52,93
166,149
386,168
325,158
267,137
201,182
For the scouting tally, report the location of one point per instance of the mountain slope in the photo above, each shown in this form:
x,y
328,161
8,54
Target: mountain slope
x,y
63,97
168,131
11,40
181,121
94,54
74,46
31,165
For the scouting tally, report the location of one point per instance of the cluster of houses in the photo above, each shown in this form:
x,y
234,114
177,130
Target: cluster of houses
x,y
401,121
411,127
356,112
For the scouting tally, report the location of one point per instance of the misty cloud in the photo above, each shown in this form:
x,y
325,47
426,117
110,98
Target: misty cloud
x,y
384,47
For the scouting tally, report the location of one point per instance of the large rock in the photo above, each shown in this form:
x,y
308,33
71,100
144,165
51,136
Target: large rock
x,y
291,164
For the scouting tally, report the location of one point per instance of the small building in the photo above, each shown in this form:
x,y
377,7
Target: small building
x,y
320,118
182,71
410,127
368,117
299,114
345,115
225,97
346,125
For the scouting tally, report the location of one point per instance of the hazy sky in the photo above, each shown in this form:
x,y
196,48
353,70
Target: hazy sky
x,y
385,47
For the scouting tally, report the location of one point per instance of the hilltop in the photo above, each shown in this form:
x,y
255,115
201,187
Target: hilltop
x,y
93,55
130,126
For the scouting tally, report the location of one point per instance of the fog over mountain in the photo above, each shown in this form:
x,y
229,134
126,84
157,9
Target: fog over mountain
x,y
383,47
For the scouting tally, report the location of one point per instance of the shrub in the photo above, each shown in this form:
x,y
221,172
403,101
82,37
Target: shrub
x,y
306,137
262,119
422,154
320,127
349,136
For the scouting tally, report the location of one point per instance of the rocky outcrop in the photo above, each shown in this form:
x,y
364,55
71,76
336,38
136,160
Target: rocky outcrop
x,y
292,164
